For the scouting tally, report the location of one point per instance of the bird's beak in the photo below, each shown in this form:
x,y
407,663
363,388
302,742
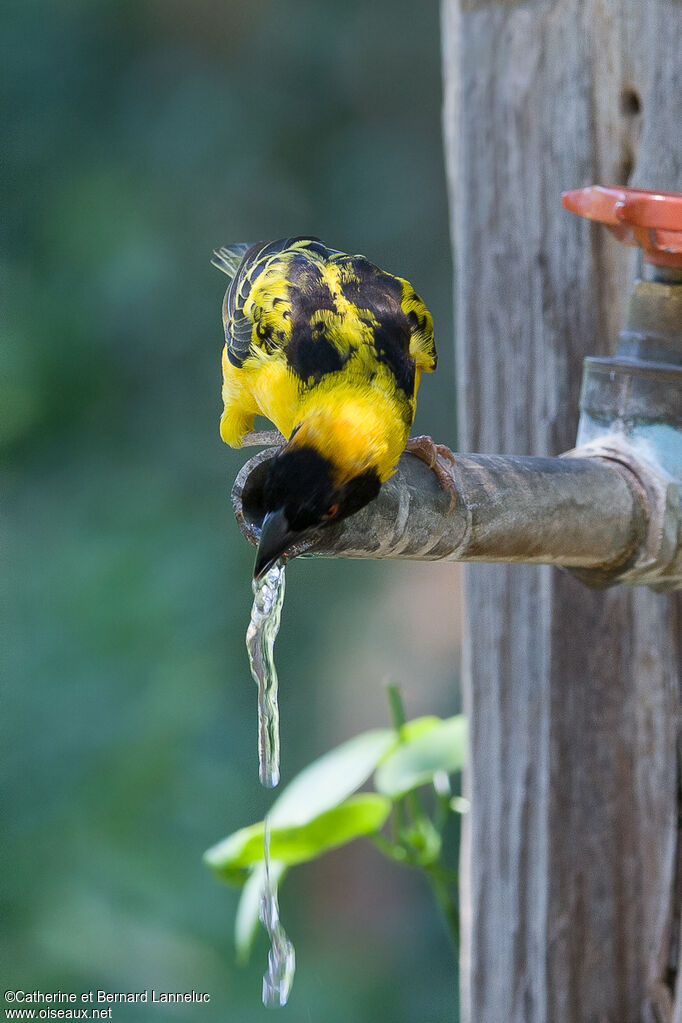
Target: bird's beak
x,y
275,537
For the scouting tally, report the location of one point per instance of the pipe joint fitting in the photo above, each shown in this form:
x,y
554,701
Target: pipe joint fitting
x,y
657,561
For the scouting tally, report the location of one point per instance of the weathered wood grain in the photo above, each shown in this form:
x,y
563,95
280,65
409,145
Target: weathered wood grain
x,y
571,866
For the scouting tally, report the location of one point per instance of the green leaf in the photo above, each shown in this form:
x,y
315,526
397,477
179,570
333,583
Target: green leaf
x,y
418,726
414,762
359,815
248,910
237,877
331,778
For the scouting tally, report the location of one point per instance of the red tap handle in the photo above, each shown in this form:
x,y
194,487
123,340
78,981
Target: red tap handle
x,y
650,220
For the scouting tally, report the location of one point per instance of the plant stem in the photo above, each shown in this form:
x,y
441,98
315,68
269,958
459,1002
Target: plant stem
x,y
395,703
448,908
435,873
394,852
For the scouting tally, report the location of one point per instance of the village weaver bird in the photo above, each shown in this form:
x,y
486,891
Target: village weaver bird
x,y
331,349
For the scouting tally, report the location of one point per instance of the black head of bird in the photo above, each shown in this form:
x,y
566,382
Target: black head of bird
x,y
301,497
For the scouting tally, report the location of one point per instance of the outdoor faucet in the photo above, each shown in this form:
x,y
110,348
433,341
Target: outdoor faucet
x,y
609,510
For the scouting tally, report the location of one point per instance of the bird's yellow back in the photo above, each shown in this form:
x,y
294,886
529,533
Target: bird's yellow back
x,y
327,346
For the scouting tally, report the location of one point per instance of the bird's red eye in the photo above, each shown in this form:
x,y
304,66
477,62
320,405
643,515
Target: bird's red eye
x,y
331,511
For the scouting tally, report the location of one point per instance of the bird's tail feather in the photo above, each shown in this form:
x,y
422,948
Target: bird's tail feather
x,y
229,257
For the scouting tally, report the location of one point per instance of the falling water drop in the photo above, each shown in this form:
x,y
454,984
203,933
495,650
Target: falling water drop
x,y
279,978
268,597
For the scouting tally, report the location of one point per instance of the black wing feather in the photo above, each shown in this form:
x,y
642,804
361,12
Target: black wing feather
x,y
245,263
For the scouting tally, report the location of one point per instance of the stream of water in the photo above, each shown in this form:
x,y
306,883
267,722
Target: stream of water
x,y
268,597
278,979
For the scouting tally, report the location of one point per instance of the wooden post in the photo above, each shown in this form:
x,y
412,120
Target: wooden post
x,y
572,865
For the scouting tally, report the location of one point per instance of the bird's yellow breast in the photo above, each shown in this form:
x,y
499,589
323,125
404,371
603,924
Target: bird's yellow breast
x,y
356,427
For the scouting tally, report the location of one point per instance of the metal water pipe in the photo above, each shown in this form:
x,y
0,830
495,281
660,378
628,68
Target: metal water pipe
x,y
610,509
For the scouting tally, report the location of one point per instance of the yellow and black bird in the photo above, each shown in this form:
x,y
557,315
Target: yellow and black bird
x,y
331,349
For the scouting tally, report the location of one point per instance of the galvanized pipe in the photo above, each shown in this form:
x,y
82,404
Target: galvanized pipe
x,y
587,513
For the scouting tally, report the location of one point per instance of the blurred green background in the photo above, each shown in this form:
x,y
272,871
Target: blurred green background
x,y
138,136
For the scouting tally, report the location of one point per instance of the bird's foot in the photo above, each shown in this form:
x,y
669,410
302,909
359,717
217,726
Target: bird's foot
x,y
263,439
440,459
